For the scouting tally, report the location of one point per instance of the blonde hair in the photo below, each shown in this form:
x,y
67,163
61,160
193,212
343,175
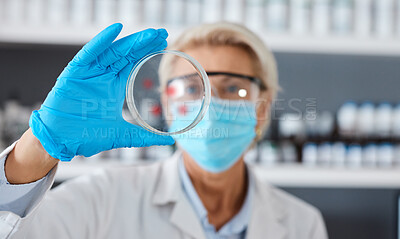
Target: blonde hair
x,y
225,33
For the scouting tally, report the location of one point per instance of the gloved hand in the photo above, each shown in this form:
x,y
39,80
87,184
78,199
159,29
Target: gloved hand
x,y
82,114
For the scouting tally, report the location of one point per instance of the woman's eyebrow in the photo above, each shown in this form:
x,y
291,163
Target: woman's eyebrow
x,y
183,77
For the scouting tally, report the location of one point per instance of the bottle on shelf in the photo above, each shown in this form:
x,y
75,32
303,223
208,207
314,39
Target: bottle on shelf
x,y
397,25
384,18
158,152
131,155
2,144
362,18
396,122
310,154
365,125
338,154
321,10
385,155
324,154
277,15
81,13
174,12
383,119
104,12
268,153
311,127
255,14
152,13
354,156
320,126
233,12
288,152
396,155
57,12
342,17
291,125
299,16
193,12
347,119
370,155
150,110
211,10
35,12
14,12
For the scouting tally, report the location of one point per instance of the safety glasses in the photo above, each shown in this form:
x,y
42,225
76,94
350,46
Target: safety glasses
x,y
225,85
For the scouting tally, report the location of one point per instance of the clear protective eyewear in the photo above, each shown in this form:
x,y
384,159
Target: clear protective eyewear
x,y
224,85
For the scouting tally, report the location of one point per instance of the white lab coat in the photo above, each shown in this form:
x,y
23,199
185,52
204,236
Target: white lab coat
x,y
148,202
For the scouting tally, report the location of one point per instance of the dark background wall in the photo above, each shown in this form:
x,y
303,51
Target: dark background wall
x,y
30,71
334,79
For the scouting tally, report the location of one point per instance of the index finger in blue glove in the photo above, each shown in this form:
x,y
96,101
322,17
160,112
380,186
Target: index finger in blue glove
x,y
97,45
129,44
133,56
140,51
137,53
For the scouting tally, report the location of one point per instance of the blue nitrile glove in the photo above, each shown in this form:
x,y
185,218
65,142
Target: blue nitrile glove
x,y
82,114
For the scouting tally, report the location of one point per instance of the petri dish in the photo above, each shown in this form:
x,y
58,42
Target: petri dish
x,y
167,93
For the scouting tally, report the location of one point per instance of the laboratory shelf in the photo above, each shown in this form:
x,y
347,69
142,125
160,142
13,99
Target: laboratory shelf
x,y
294,175
306,43
66,35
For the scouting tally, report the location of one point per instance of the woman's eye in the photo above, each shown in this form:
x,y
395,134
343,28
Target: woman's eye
x,y
191,89
232,89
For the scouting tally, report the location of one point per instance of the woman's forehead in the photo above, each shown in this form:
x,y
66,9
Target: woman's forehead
x,y
216,58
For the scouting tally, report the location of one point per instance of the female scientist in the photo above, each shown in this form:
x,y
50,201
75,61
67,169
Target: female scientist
x,y
204,191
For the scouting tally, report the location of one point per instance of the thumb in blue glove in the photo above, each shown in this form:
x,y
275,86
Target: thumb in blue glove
x,y
82,114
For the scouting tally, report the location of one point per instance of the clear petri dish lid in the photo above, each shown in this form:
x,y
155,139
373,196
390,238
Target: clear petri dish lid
x,y
167,93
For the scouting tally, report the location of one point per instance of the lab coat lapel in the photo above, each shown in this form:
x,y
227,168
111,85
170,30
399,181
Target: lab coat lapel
x,y
184,217
266,215
169,190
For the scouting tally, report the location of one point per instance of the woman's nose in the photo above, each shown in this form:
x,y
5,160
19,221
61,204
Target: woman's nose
x,y
214,91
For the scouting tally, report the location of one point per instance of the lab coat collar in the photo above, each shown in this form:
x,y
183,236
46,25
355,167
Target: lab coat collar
x,y
268,213
169,190
266,217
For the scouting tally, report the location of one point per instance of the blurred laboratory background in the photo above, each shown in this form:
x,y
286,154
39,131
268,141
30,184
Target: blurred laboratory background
x,y
334,139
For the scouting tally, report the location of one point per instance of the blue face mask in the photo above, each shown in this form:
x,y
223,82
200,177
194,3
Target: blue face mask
x,y
221,137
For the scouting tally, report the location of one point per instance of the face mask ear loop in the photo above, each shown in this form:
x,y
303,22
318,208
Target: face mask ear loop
x,y
258,130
